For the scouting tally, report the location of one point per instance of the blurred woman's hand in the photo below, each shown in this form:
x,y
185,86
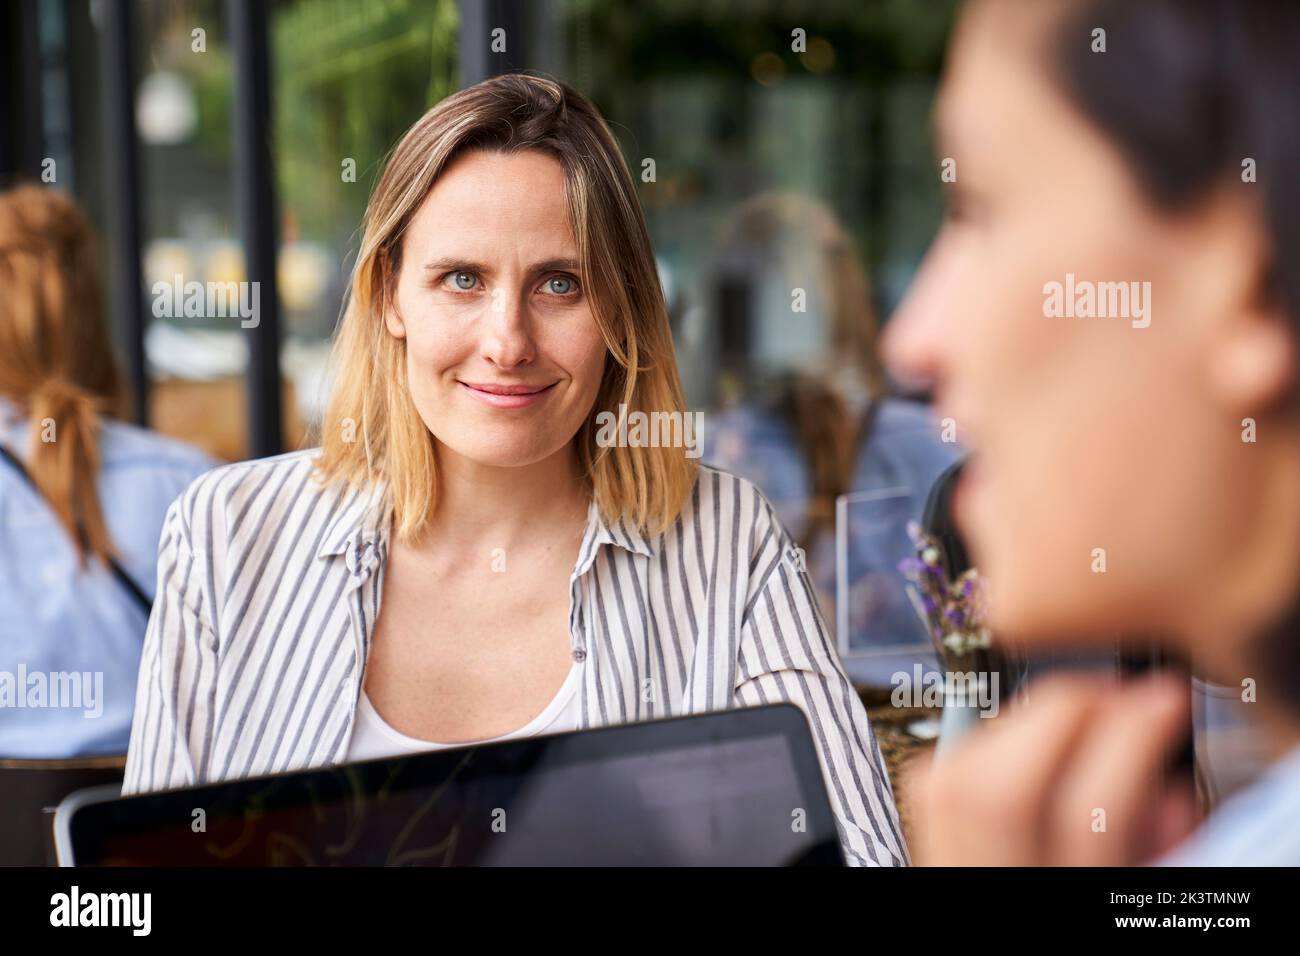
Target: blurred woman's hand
x,y
1072,778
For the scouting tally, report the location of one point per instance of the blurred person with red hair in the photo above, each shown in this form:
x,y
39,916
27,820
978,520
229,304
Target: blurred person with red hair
x,y
82,494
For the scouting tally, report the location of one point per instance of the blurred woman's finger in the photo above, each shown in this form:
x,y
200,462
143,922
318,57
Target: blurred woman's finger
x,y
1106,801
986,803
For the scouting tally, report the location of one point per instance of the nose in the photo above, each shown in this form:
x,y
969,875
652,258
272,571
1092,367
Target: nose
x,y
507,340
916,341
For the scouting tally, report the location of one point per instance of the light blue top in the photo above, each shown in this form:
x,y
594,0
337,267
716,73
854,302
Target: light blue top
x,y
1257,826
904,450
79,625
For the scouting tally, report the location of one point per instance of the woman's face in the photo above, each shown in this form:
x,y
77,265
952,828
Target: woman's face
x,y
1108,467
503,355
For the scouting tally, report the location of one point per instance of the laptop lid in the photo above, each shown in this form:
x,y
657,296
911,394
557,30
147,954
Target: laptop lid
x,y
733,788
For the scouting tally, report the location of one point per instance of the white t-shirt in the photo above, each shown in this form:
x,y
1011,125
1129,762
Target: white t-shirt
x,y
373,737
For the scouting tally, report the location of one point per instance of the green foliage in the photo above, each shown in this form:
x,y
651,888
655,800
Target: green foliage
x,y
349,79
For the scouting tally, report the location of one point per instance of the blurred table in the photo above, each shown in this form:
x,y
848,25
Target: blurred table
x,y
903,752
213,414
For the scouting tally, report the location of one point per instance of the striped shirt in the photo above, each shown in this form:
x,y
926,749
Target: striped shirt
x,y
269,586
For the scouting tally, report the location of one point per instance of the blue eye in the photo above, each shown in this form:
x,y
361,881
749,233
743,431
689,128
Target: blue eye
x,y
464,280
560,285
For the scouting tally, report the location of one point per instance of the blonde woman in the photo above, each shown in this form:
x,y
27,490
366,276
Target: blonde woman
x,y
82,494
461,561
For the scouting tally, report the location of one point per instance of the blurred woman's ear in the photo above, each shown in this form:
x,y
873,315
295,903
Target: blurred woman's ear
x,y
1251,363
1254,368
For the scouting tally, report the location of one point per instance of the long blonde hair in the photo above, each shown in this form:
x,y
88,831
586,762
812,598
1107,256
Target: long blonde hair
x,y
56,359
372,430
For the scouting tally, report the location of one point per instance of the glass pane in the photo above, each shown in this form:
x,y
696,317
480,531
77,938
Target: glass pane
x,y
783,159
349,79
195,346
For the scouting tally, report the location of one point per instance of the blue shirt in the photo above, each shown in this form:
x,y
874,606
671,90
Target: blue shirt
x,y
70,637
904,451
1254,827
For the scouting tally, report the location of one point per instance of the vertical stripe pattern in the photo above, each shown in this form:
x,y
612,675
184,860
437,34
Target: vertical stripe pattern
x,y
269,586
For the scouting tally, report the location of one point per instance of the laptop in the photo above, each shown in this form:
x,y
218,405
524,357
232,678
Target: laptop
x,y
730,788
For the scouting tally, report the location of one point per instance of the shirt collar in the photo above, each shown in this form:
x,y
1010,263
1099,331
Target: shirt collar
x,y
618,533
11,418
363,520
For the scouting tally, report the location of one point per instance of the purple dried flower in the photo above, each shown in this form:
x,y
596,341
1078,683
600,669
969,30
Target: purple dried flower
x,y
911,567
954,609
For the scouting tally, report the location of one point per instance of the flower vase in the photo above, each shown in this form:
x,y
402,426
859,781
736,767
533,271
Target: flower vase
x,y
961,710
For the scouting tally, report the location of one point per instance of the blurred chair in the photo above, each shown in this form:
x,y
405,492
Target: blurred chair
x,y
29,792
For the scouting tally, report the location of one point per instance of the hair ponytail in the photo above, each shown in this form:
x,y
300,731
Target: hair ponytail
x,y
64,462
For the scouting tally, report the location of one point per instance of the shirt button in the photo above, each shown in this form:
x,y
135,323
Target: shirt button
x,y
579,654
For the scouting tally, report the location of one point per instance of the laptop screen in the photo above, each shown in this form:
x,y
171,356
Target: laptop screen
x,y
738,788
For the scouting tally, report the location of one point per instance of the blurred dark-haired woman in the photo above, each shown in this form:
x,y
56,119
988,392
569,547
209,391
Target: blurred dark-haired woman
x,y
1111,314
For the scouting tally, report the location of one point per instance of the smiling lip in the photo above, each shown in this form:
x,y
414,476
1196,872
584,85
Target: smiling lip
x,y
507,396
